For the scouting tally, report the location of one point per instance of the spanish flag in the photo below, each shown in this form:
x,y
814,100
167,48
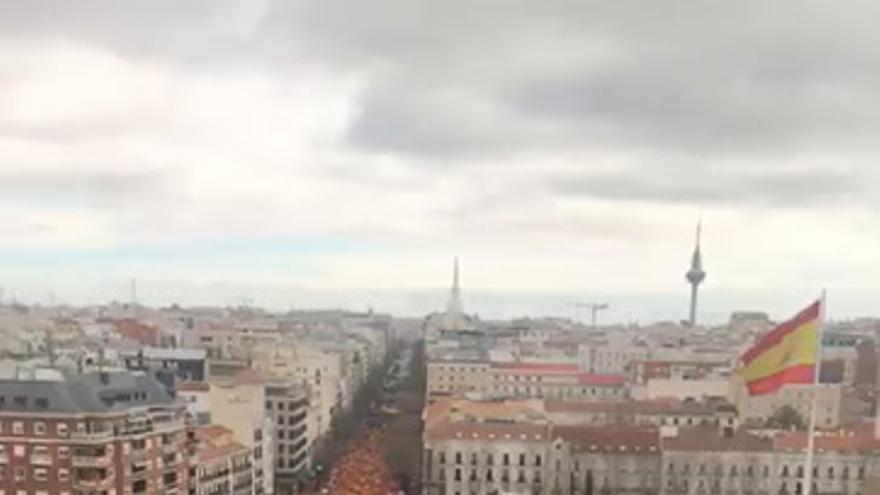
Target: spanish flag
x,y
785,355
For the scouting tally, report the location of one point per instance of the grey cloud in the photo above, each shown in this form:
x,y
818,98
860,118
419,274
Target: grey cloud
x,y
81,187
764,188
455,82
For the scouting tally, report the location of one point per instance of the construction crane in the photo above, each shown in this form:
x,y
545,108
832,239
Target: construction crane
x,y
594,308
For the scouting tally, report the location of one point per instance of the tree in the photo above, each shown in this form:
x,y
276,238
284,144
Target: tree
x,y
786,418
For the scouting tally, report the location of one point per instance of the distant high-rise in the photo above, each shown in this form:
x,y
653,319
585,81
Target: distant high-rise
x,y
695,276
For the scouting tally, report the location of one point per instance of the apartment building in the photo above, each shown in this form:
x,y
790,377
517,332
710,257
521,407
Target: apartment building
x,y
220,464
238,403
703,460
466,455
562,381
447,377
287,406
98,433
758,409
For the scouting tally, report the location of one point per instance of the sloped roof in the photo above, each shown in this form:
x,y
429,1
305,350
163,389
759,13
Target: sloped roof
x,y
87,393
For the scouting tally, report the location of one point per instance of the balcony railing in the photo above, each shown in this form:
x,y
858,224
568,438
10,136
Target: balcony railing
x,y
90,461
94,483
41,459
91,436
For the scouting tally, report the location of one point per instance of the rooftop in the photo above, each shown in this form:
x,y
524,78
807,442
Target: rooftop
x,y
86,393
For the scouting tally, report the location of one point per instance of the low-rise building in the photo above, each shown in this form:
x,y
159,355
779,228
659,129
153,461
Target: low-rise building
x,y
220,465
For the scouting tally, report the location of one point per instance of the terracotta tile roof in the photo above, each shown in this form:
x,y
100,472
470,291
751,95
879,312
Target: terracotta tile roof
x,y
489,431
702,439
610,440
852,439
600,379
641,407
537,367
471,410
212,432
211,452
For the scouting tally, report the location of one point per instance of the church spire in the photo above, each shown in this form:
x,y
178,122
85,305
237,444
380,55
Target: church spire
x,y
695,275
454,309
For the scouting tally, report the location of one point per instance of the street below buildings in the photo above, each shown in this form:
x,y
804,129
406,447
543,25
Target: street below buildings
x,y
362,469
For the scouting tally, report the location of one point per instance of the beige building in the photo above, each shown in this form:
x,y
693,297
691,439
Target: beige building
x,y
321,371
238,403
455,377
701,460
758,409
221,465
483,448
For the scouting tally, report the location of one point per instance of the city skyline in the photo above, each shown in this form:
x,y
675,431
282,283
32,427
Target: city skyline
x,y
275,145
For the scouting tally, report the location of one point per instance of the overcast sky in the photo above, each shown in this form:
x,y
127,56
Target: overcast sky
x,y
554,146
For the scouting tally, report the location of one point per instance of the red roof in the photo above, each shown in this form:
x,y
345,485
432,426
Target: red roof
x,y
212,432
610,440
538,367
858,438
601,379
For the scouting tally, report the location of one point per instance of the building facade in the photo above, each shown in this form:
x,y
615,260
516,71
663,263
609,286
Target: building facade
x,y
100,433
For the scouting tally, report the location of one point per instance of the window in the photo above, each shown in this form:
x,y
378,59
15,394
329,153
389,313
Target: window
x,y
522,459
538,460
39,428
489,459
17,428
40,474
506,460
442,457
63,474
61,429
473,458
18,450
458,457
20,474
457,474
64,452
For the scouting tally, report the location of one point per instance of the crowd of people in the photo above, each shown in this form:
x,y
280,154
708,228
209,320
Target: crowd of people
x,y
362,470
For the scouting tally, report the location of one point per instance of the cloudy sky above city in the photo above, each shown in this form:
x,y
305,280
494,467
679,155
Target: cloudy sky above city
x,y
562,146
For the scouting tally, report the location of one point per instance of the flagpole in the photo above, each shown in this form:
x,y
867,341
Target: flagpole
x,y
811,430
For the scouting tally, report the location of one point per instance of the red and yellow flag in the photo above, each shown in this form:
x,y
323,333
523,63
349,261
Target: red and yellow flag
x,y
785,355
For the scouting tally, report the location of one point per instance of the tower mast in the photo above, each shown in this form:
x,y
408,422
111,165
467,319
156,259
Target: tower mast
x,y
695,276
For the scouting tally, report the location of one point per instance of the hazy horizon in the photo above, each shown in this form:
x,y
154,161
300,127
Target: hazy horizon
x,y
715,305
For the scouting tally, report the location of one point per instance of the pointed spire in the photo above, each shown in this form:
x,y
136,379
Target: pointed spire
x,y
455,287
454,310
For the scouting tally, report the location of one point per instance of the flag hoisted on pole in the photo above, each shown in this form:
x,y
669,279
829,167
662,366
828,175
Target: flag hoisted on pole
x,y
791,353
